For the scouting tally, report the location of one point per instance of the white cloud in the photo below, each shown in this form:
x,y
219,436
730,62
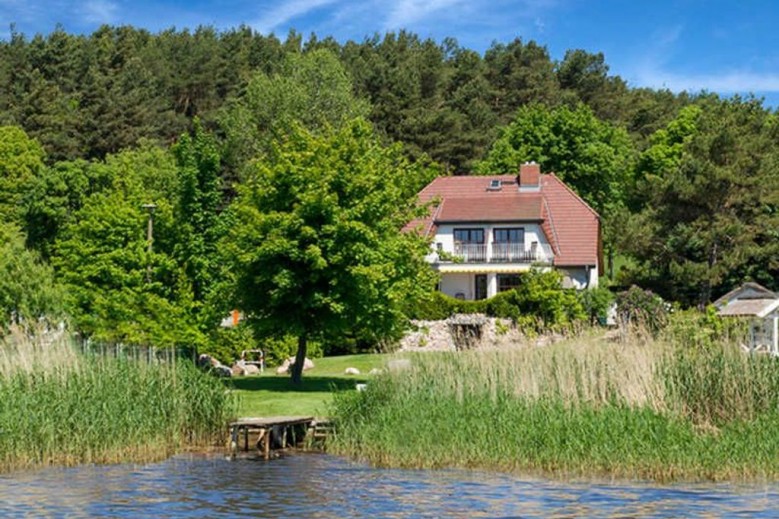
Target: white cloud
x,y
728,82
653,70
99,11
287,11
407,12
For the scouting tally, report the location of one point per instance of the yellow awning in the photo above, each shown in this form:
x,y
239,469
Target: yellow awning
x,y
476,268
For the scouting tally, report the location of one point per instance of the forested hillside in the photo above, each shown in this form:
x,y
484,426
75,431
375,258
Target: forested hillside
x,y
88,96
94,127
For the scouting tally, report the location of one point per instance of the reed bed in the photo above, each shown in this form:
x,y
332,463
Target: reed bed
x,y
641,408
58,406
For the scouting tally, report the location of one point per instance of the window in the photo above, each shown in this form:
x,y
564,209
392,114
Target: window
x,y
480,286
508,281
508,244
515,235
469,245
469,236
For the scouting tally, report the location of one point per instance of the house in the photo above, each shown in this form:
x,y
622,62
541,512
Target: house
x,y
487,230
759,305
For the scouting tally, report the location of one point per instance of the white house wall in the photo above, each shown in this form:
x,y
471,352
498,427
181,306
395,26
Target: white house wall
x,y
445,234
579,277
453,284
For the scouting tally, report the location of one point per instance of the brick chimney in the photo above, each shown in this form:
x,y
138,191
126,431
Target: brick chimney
x,y
529,177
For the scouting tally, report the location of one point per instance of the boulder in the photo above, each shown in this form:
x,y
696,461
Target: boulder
x,y
222,371
351,371
251,369
307,363
283,368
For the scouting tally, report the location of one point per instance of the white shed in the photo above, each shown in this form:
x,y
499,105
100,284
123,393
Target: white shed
x,y
761,306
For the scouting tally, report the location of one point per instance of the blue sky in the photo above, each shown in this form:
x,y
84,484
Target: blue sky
x,y
724,47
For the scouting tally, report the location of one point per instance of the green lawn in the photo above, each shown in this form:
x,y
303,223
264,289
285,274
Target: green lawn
x,y
273,395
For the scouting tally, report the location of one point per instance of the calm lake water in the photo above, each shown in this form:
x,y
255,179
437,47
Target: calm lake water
x,y
314,485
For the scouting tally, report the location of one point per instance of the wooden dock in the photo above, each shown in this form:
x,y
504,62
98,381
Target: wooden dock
x,y
276,433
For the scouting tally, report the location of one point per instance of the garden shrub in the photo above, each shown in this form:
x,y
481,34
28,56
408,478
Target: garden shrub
x,y
641,308
704,329
227,344
538,304
596,303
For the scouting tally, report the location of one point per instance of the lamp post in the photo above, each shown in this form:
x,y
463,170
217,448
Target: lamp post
x,y
149,237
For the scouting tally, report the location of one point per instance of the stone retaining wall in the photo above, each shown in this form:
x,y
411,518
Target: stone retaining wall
x,y
446,335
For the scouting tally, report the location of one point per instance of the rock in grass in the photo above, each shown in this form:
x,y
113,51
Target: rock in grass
x,y
251,369
284,368
351,371
222,371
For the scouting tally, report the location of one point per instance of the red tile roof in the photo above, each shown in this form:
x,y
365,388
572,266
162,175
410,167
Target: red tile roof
x,y
490,209
571,226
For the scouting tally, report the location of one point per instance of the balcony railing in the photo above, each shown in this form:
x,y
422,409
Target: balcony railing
x,y
499,253
470,253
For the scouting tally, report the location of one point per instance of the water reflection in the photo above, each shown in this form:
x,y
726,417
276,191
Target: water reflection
x,y
318,486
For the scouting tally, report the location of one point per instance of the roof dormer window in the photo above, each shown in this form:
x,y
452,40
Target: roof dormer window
x,y
495,185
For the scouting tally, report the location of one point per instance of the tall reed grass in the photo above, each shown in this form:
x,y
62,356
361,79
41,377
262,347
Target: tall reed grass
x,y
641,408
58,406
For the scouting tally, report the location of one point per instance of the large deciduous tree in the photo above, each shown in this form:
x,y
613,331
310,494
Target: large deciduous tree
x,y
591,156
117,289
28,292
311,89
199,203
21,161
316,246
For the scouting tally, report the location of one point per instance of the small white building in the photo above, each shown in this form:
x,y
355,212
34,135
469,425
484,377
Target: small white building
x,y
488,230
759,305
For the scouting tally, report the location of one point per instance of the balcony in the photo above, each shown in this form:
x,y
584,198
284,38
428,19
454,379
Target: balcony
x,y
498,253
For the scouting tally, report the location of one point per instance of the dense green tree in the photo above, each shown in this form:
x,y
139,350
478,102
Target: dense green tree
x,y
520,73
591,156
317,249
21,161
312,89
586,75
199,203
117,290
710,193
60,191
28,293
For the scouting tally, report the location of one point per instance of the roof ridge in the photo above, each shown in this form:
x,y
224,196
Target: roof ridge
x,y
434,216
552,225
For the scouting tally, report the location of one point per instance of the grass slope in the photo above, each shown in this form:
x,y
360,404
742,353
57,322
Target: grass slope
x,y
270,394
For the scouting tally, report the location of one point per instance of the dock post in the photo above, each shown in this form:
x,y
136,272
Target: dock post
x,y
267,442
233,441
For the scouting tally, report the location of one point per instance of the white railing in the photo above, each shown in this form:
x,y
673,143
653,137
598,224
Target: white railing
x,y
470,253
517,253
498,253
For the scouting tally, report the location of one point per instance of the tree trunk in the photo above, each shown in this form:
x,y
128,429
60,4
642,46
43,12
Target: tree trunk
x,y
705,295
300,359
610,255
